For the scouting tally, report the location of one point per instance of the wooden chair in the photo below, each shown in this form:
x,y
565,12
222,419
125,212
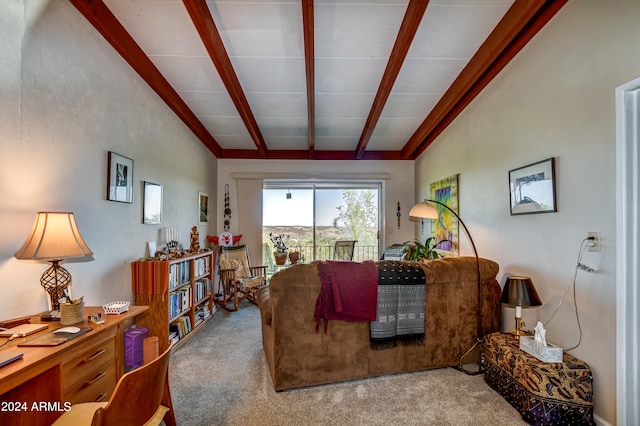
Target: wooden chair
x,y
141,397
343,250
238,279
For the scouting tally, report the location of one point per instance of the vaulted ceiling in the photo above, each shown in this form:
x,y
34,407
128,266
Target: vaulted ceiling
x,y
324,79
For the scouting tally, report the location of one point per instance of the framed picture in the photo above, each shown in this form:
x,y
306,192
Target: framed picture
x,y
120,178
445,229
532,188
152,208
203,208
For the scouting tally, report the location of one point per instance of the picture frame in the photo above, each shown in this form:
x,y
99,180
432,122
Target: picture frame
x,y
532,188
119,178
445,230
203,208
152,205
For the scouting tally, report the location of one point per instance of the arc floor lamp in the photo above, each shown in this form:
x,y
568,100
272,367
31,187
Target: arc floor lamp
x,y
427,210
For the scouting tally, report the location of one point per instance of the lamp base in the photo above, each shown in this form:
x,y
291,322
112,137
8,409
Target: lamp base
x,y
520,328
55,280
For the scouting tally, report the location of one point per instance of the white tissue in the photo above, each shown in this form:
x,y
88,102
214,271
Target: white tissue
x,y
539,334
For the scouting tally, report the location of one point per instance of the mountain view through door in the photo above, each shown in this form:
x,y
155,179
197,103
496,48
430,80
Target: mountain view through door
x,y
312,218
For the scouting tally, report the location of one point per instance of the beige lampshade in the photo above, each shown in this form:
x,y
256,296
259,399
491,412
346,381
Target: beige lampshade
x,y
424,210
54,236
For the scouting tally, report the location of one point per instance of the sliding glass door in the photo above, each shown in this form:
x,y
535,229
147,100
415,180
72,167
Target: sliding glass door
x,y
312,217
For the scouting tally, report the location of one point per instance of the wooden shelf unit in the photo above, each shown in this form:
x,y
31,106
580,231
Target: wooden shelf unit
x,y
179,295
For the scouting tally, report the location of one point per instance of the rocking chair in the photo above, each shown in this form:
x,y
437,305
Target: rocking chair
x,y
238,279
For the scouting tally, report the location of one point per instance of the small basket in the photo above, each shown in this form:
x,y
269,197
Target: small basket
x,y
71,313
116,308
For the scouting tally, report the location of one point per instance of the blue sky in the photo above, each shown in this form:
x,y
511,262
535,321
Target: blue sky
x,y
277,210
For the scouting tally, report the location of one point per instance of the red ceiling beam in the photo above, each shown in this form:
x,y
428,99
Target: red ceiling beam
x,y
410,23
99,15
521,22
206,27
309,60
275,154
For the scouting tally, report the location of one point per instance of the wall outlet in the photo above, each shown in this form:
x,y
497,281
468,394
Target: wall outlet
x,y
595,244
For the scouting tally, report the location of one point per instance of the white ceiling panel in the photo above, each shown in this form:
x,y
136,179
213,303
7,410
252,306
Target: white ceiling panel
x,y
271,74
349,75
351,30
409,105
340,127
392,134
209,103
287,105
454,31
343,105
268,29
337,143
283,126
427,75
159,27
299,143
264,43
189,73
231,128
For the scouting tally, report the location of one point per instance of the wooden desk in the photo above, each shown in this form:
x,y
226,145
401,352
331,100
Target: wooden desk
x,y
38,388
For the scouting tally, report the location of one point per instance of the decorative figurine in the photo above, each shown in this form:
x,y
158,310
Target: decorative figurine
x,y
195,240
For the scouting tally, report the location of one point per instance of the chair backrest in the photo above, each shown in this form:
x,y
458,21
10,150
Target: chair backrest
x,y
343,250
137,396
267,258
235,257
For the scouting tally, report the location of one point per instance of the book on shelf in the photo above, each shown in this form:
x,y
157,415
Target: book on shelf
x,y
179,301
201,313
201,266
202,288
181,326
179,273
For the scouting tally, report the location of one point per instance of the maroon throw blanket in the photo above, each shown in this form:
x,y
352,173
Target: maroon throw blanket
x,y
349,292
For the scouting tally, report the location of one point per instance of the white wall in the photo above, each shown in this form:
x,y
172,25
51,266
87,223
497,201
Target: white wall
x,y
556,99
67,98
399,186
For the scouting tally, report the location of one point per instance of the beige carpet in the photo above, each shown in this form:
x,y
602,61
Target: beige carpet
x,y
220,377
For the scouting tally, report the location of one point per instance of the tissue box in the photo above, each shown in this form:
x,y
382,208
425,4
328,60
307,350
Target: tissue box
x,y
549,353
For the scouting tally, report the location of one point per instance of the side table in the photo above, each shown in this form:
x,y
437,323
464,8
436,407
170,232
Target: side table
x,y
544,393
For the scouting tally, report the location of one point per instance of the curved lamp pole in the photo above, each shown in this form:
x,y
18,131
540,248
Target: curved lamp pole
x,y
425,210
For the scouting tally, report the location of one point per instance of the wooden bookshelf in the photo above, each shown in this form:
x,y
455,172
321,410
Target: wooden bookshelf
x,y
178,293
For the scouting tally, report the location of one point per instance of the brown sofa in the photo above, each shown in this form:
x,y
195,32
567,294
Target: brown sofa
x,y
299,356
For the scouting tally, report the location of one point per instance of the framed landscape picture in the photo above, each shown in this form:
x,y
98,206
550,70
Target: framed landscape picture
x,y
203,208
119,178
532,188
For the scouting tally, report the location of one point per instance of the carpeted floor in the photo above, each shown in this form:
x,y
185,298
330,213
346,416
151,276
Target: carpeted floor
x,y
220,377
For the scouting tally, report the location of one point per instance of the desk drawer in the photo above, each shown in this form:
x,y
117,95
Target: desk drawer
x,y
87,360
97,386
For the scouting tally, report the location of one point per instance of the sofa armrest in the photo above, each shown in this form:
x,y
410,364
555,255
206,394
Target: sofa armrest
x,y
264,303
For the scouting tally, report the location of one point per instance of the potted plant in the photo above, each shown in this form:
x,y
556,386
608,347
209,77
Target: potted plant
x,y
428,251
280,246
294,256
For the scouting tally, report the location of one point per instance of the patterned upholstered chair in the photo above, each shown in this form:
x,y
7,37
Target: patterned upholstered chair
x,y
238,279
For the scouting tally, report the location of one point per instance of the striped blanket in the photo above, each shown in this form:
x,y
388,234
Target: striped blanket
x,y
401,305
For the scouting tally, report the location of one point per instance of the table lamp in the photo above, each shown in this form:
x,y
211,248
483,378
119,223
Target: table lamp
x,y
54,237
519,293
